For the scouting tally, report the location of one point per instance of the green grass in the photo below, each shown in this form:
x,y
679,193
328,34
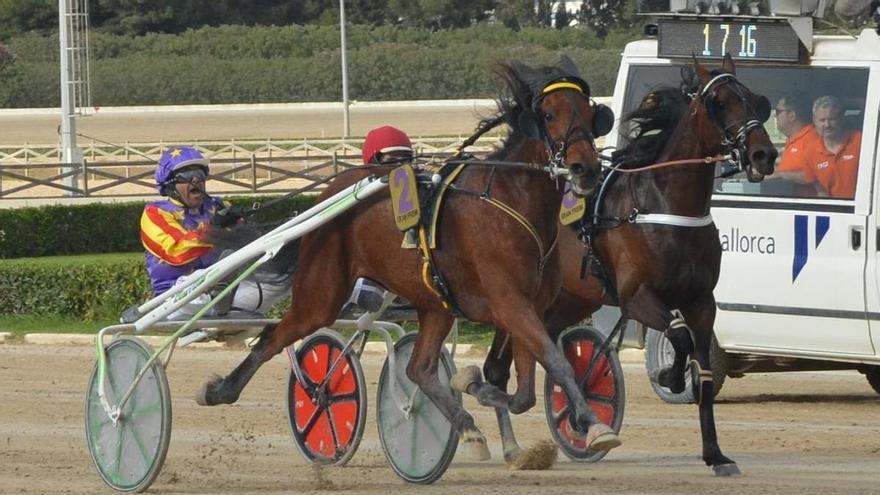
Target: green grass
x,y
20,325
469,333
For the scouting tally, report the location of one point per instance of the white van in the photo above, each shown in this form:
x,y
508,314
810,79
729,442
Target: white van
x,y
800,274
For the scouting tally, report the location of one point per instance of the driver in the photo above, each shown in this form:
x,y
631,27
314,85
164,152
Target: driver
x,y
173,233
386,145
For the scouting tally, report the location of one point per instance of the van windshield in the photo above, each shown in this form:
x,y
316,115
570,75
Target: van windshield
x,y
816,122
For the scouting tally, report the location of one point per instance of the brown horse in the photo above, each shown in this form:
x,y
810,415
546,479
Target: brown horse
x,y
497,269
652,265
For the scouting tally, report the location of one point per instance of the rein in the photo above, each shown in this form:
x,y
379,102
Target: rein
x,y
690,161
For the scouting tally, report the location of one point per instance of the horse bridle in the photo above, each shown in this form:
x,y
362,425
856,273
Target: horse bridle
x,y
556,163
733,143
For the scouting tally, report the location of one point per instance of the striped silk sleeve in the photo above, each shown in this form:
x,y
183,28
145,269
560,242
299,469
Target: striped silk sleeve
x,y
163,236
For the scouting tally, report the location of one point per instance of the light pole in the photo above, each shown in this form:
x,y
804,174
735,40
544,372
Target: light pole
x,y
346,118
70,152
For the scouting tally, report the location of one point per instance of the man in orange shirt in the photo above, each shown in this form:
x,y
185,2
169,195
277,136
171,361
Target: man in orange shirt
x,y
834,165
793,119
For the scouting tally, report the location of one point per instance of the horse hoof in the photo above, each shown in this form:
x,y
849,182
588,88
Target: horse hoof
x,y
726,469
675,384
511,455
540,456
601,437
475,444
205,394
464,378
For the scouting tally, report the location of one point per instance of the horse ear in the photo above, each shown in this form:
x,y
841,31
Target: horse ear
x,y
728,65
603,120
528,124
533,78
702,73
567,65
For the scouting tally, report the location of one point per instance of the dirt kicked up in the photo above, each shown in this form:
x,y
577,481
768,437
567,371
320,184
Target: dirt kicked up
x,y
806,433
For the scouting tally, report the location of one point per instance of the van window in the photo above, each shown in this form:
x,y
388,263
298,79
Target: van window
x,y
816,122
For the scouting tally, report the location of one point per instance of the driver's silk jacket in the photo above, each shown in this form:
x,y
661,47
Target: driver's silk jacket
x,y
173,239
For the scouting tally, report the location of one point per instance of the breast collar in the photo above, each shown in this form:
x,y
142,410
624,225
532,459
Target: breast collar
x,y
645,218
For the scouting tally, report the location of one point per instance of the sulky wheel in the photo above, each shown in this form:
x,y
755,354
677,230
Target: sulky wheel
x,y
418,441
130,454
604,391
328,411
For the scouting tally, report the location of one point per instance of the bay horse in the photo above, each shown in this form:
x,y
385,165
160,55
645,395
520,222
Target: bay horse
x,y
650,265
500,267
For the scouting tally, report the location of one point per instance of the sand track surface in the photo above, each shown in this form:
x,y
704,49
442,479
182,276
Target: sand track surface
x,y
794,433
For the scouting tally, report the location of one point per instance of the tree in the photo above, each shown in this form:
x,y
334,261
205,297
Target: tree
x,y
18,16
603,15
544,12
6,56
515,14
560,17
137,17
439,14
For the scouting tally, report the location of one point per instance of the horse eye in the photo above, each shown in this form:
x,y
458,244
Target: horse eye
x,y
548,117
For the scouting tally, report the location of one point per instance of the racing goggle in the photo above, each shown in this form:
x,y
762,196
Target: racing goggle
x,y
186,176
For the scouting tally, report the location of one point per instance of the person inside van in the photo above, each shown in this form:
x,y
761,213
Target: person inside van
x,y
794,118
834,163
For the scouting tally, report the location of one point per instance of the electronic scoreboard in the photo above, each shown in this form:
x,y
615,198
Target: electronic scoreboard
x,y
764,39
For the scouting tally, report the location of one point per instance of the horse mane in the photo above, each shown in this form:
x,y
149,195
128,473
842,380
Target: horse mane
x,y
652,124
521,86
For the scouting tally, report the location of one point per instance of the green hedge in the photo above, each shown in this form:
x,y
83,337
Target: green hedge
x,y
100,227
87,287
236,64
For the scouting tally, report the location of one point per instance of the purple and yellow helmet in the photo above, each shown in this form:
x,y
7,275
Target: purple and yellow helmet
x,y
175,159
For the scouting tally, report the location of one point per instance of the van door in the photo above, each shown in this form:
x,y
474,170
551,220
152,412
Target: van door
x,y
873,286
792,280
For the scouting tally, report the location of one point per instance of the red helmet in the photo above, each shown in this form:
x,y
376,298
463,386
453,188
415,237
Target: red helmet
x,y
384,140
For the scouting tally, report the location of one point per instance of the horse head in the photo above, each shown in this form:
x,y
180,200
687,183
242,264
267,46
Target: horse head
x,y
553,106
739,115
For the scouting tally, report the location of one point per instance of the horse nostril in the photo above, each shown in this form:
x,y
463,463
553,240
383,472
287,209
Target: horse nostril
x,y
577,169
759,156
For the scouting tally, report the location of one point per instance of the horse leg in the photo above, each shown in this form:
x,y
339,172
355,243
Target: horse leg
x,y
311,309
497,371
434,326
530,334
647,308
702,316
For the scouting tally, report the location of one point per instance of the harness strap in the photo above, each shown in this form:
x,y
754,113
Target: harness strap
x,y
545,255
427,262
674,220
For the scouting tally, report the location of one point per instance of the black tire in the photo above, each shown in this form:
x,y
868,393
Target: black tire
x,y
129,455
873,376
337,421
606,396
419,444
659,354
